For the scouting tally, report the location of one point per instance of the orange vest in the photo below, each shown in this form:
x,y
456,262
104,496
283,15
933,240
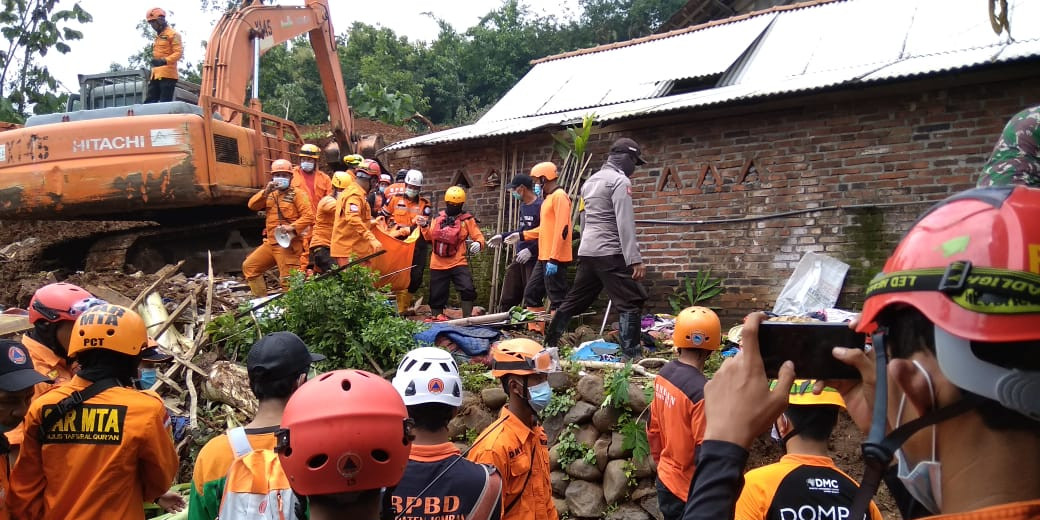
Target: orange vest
x,y
469,231
351,235
167,45
284,207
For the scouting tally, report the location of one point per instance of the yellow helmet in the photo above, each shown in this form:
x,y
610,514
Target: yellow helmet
x,y
310,150
802,394
522,356
108,327
353,160
545,170
455,195
340,180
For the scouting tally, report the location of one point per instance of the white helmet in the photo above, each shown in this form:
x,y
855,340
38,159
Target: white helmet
x,y
428,375
413,177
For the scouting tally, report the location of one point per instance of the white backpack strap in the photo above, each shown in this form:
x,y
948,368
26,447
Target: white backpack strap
x,y
239,441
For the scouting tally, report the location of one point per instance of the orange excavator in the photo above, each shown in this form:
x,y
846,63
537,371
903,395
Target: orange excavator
x,y
183,171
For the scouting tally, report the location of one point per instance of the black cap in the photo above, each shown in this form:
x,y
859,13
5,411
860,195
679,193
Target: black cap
x,y
626,145
153,353
521,179
401,174
16,368
279,355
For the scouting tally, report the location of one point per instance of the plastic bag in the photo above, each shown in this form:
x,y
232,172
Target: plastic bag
x,y
814,285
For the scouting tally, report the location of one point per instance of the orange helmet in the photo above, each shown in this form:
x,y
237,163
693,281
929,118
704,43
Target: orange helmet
x,y
342,432
108,327
60,302
154,14
340,180
545,170
455,195
281,165
372,167
310,150
522,356
697,327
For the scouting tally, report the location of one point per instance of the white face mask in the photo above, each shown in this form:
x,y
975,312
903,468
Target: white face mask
x,y
307,166
924,482
411,193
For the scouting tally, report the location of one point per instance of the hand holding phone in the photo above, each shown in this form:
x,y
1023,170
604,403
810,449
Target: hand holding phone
x,y
809,346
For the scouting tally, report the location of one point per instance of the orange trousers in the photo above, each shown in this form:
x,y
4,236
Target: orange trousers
x,y
270,255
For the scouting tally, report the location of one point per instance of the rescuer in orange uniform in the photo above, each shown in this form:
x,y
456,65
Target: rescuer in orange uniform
x,y
448,233
52,312
676,423
352,228
316,183
404,210
324,219
286,209
166,52
377,198
96,447
17,379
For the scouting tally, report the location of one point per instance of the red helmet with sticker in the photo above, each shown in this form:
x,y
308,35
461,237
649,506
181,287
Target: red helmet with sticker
x,y
60,302
343,432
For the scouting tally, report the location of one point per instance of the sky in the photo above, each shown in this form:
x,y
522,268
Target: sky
x,y
112,36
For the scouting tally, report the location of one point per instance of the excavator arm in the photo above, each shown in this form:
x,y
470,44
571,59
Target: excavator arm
x,y
244,34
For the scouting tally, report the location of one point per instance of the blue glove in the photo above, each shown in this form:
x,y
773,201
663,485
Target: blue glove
x,y
551,268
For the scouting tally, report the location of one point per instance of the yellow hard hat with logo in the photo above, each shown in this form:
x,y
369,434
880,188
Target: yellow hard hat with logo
x,y
802,394
108,327
310,150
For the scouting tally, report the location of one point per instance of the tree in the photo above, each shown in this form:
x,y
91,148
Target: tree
x,y
606,21
32,28
379,58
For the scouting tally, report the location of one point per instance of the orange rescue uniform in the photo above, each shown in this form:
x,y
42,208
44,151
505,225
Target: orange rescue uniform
x,y
403,211
780,490
102,461
317,185
290,207
351,230
676,425
554,228
52,366
5,485
396,188
324,218
516,450
167,45
211,468
470,231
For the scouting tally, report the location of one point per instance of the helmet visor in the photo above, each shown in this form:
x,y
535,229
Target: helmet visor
x,y
545,361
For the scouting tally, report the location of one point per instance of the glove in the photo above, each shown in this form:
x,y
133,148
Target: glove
x,y
512,239
375,244
551,268
474,248
496,241
523,256
157,62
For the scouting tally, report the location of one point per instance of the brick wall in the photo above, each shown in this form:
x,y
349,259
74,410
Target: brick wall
x,y
857,168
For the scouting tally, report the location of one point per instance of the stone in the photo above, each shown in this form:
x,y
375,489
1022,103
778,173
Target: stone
x,y
590,388
582,470
628,511
469,400
477,418
553,427
645,488
587,435
561,507
457,428
494,397
554,457
615,482
461,446
644,466
617,450
580,413
601,448
559,380
559,482
585,499
649,504
637,398
606,418
653,363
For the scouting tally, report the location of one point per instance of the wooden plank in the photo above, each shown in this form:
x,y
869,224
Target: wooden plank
x,y
13,324
108,294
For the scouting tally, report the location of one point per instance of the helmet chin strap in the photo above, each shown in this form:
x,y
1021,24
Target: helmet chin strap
x,y
879,449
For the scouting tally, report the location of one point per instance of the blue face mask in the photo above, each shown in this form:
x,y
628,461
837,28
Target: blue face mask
x,y
516,195
147,378
540,394
281,182
537,190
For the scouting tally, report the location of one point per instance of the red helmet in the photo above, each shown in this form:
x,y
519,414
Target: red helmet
x,y
154,14
342,432
60,302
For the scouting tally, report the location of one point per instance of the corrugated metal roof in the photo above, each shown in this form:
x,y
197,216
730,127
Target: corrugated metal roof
x,y
822,46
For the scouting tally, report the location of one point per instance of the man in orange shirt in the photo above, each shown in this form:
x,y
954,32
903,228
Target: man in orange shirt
x,y
307,177
286,210
404,210
166,52
17,378
352,235
676,424
96,447
516,444
324,219
449,233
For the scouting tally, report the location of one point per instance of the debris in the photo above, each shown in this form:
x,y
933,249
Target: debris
x,y
108,294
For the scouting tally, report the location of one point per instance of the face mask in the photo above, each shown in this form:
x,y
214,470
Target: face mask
x,y
381,188
281,182
924,482
537,190
623,162
307,166
147,378
540,394
516,195
411,193
452,209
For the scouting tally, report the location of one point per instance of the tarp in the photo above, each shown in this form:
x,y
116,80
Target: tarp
x,y
398,256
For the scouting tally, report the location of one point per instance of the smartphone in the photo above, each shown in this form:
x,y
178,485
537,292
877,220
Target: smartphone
x,y
809,346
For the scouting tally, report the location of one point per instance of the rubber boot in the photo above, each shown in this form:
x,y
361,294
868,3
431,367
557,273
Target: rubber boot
x,y
257,286
557,326
536,326
631,332
467,309
404,302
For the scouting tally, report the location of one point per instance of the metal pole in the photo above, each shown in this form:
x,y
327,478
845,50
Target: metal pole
x,y
256,67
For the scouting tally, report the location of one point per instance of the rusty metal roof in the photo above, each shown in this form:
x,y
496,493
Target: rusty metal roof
x,y
799,48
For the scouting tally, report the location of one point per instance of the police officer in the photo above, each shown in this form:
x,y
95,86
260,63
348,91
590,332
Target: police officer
x,y
608,256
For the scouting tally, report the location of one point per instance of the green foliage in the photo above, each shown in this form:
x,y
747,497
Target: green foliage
x,y
476,377
712,364
695,291
615,386
560,403
634,436
568,448
377,103
236,336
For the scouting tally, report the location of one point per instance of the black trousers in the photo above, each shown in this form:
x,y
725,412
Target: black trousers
x,y
670,505
160,90
441,281
540,284
321,259
420,256
514,284
596,273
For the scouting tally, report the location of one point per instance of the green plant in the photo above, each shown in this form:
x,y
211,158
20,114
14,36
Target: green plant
x,y
471,436
568,448
235,336
634,437
475,377
712,364
695,291
560,403
615,386
630,472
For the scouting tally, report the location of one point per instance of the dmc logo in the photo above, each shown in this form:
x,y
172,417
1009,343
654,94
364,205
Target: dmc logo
x,y
823,483
16,355
435,386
